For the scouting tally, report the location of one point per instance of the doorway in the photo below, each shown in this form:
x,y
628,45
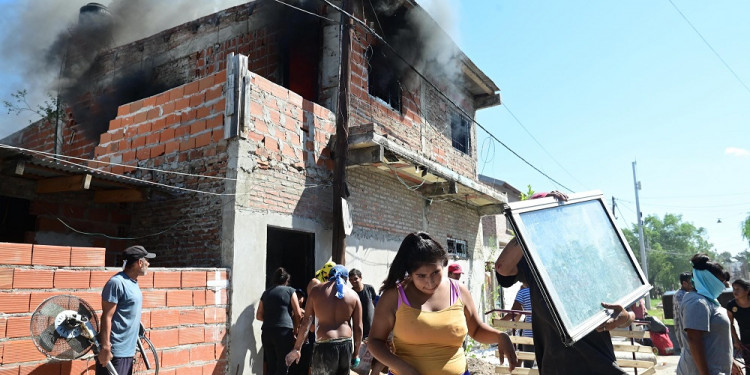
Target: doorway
x,y
293,250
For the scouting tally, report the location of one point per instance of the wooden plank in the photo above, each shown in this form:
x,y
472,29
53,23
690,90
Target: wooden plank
x,y
119,196
632,348
517,371
630,334
20,166
62,184
526,356
522,340
507,324
634,363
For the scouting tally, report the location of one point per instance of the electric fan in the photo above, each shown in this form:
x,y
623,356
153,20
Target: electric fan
x,y
64,327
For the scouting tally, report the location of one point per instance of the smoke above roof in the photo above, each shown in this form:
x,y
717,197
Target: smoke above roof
x,y
53,52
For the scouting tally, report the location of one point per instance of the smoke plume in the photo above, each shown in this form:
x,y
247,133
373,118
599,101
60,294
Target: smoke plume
x,y
53,53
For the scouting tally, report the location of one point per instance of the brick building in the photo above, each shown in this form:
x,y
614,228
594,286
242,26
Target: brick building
x,y
223,157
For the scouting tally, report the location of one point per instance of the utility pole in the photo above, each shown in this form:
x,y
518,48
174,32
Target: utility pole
x,y
644,261
341,146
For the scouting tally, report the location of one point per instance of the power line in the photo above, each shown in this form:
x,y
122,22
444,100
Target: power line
x,y
505,104
59,158
305,11
737,77
440,92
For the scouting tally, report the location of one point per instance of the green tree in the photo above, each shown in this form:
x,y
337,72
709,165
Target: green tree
x,y
746,229
527,194
670,243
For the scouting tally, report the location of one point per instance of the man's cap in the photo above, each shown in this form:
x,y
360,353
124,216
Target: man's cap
x,y
455,268
137,252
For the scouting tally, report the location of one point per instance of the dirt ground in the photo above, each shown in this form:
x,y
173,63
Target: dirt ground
x,y
480,367
664,365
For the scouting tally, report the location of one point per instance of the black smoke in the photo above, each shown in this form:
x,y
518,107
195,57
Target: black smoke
x,y
415,39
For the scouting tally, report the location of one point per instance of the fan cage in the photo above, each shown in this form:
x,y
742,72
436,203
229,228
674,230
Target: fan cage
x,y
46,338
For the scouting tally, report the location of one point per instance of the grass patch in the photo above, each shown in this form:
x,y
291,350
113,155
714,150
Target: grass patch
x,y
659,312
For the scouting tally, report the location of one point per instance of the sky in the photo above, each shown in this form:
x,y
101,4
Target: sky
x,y
588,87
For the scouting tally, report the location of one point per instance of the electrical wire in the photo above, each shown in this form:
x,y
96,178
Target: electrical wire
x,y
134,179
118,238
53,155
305,11
441,93
737,77
505,105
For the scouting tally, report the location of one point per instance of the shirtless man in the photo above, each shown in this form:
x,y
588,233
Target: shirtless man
x,y
335,305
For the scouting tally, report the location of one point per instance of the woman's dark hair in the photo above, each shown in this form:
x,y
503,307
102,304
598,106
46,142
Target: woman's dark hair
x,y
416,250
686,277
742,283
280,276
701,261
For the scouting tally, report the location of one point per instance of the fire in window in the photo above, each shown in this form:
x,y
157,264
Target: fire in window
x,y
457,248
461,133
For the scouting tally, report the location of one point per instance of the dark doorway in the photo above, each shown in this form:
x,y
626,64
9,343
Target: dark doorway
x,y
293,250
15,220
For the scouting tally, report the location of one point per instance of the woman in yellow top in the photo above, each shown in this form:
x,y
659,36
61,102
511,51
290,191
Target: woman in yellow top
x,y
429,315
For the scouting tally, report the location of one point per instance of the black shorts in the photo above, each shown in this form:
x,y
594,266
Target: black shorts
x,y
123,365
332,357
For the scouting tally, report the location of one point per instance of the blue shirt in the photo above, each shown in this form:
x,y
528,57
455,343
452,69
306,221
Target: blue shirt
x,y
524,298
126,321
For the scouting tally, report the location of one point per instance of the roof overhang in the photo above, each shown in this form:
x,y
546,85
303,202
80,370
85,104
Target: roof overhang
x,y
431,179
58,174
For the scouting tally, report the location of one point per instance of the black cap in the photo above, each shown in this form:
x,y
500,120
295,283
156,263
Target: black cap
x,y
137,252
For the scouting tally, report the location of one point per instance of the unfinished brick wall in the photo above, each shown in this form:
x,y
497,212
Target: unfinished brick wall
x,y
185,309
288,137
180,130
48,212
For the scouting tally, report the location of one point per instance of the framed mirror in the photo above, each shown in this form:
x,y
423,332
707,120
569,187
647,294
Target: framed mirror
x,y
579,258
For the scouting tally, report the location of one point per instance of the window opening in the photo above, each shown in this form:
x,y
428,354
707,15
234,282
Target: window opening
x,y
382,79
461,133
457,248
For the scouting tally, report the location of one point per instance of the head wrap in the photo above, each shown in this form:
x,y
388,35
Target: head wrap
x,y
322,273
707,285
339,275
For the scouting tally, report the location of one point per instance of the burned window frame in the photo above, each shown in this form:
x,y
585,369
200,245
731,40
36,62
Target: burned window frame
x,y
391,92
457,248
461,132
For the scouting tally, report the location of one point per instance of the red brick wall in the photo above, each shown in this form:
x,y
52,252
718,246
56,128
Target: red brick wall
x,y
179,130
187,319
424,115
289,139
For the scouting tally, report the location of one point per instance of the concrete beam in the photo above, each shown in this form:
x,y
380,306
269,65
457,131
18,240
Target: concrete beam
x,y
486,101
439,189
491,209
366,156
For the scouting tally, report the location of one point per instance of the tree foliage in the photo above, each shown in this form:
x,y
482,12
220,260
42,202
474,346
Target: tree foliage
x,y
19,104
527,195
746,229
670,243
